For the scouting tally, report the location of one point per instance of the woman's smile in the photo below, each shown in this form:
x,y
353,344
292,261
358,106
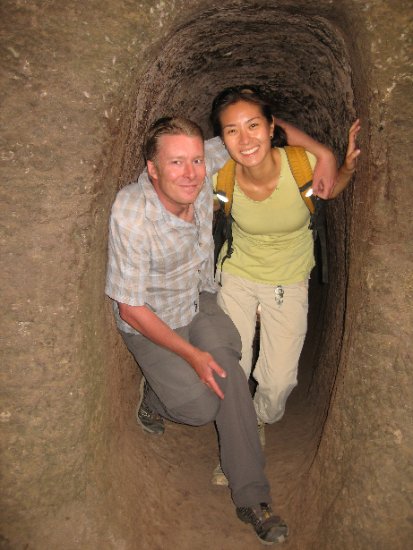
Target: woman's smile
x,y
246,133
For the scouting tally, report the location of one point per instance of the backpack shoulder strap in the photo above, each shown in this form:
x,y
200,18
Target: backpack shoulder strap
x,y
302,172
303,175
226,182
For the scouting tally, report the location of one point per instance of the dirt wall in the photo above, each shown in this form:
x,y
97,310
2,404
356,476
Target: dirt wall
x,y
80,82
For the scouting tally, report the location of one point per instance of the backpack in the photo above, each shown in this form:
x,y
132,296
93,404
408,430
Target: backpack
x,y
303,175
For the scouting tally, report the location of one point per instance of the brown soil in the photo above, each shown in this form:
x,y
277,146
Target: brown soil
x,y
80,82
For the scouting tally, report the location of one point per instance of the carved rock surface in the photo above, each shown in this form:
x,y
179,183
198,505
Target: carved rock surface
x,y
80,83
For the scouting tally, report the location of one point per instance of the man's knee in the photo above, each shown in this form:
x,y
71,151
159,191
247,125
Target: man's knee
x,y
199,411
229,359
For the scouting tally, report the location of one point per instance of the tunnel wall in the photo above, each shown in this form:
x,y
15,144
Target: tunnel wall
x,y
76,80
368,435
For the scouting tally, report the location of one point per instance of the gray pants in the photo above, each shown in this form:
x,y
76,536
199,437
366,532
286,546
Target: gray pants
x,y
179,395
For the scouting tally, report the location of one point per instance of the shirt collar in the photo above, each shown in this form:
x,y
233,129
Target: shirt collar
x,y
153,206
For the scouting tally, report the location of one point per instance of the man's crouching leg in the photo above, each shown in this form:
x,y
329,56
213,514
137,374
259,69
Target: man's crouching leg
x,y
170,388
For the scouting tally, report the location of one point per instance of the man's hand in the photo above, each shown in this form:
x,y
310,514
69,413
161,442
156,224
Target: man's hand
x,y
204,365
325,171
325,174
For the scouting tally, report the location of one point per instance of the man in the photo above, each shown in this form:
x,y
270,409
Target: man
x,y
160,276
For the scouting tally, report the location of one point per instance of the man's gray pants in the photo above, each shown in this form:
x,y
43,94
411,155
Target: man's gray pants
x,y
177,393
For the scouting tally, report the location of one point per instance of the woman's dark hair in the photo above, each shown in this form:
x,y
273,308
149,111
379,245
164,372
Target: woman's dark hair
x,y
250,94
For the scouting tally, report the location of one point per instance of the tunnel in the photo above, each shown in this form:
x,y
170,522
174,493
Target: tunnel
x,y
81,83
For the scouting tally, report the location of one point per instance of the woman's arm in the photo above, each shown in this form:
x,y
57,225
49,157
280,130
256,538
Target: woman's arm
x,y
349,165
325,170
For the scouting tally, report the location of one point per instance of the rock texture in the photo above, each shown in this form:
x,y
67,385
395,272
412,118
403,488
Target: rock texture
x,y
80,83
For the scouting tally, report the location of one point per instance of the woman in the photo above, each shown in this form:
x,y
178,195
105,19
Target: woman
x,y
272,246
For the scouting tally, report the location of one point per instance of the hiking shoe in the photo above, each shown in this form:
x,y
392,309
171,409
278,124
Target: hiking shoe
x,y
218,477
268,528
150,421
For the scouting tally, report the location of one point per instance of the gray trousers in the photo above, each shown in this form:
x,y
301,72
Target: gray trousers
x,y
177,393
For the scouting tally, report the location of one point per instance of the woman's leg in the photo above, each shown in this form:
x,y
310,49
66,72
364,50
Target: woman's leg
x,y
238,298
283,330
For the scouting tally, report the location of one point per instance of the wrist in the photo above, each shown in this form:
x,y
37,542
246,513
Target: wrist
x,y
324,153
189,352
346,170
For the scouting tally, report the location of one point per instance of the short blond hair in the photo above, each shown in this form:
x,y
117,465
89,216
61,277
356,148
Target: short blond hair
x,y
168,126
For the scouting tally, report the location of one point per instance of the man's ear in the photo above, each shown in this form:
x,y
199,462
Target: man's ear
x,y
152,171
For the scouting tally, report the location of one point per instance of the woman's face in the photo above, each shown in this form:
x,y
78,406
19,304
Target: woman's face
x,y
246,133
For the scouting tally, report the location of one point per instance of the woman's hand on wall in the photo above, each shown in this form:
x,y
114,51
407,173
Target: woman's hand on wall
x,y
350,162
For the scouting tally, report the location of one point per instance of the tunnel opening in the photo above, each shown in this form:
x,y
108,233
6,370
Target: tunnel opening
x,y
302,60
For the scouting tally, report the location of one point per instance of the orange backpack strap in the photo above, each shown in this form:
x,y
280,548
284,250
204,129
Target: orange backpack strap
x,y
302,172
303,175
226,182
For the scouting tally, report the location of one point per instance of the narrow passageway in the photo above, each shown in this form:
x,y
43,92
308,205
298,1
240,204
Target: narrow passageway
x,y
81,82
208,52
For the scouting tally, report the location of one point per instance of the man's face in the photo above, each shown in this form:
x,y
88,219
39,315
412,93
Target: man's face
x,y
178,172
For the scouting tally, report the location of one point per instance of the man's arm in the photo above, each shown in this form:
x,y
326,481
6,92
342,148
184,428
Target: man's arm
x,y
128,266
148,323
325,171
349,165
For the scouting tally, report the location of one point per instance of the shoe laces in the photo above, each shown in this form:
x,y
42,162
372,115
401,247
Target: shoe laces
x,y
259,514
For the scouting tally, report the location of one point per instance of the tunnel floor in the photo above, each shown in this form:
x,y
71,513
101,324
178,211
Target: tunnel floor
x,y
192,513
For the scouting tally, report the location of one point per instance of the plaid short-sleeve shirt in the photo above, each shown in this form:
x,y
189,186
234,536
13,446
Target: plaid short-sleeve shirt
x,y
155,258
